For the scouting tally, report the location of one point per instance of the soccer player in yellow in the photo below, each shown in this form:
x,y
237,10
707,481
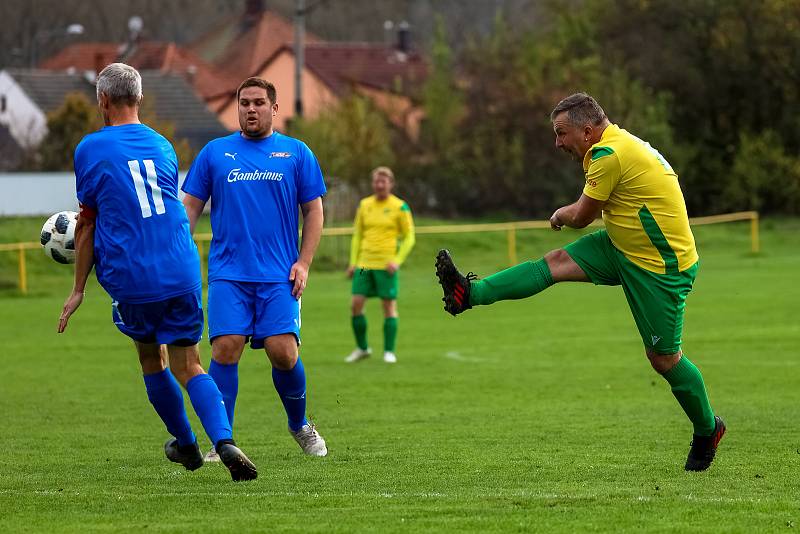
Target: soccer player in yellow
x,y
383,236
646,247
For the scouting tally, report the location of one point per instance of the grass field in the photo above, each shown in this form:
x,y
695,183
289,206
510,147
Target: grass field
x,y
536,415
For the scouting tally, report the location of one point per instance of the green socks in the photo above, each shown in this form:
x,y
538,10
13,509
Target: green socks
x,y
389,333
360,331
688,387
516,282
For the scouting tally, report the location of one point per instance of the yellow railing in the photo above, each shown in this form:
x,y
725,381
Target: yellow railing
x,y
509,227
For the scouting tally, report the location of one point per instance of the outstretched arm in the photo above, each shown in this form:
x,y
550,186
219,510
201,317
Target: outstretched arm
x,y
312,232
84,260
578,214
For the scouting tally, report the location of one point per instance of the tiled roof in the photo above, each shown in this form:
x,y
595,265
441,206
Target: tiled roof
x,y
174,100
242,45
146,55
340,65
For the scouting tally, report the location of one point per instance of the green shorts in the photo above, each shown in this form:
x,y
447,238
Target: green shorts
x,y
375,282
656,300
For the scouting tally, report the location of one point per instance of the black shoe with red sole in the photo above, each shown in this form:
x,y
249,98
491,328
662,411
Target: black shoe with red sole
x,y
705,447
456,286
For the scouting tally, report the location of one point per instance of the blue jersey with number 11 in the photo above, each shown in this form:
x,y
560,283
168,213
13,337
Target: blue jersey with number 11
x,y
143,250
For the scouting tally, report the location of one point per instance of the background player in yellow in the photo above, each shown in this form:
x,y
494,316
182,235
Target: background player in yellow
x,y
383,236
646,247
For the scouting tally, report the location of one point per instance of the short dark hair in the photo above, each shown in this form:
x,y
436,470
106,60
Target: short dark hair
x,y
581,108
254,81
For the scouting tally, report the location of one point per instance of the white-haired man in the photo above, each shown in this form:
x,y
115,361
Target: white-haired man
x,y
133,229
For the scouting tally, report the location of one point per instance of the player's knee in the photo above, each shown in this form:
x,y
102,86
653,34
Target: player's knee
x,y
357,306
662,363
227,350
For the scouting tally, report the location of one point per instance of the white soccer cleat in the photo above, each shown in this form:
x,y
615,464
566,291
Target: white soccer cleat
x,y
358,354
310,441
212,456
389,357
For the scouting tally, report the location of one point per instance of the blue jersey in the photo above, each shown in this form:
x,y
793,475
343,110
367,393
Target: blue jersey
x,y
256,187
143,250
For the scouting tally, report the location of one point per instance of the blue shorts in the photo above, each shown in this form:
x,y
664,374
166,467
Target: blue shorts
x,y
175,321
256,310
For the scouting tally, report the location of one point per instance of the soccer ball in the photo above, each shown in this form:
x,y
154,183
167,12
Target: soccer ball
x,y
58,236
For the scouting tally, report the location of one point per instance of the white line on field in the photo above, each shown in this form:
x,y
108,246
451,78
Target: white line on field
x,y
455,355
384,495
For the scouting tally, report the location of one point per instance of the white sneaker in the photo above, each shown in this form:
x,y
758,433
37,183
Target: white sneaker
x,y
212,456
358,354
310,441
389,357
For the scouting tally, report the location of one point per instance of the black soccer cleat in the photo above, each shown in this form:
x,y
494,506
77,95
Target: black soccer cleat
x,y
455,285
238,464
705,447
188,456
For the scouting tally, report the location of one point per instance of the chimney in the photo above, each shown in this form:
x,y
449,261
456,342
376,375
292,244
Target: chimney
x,y
252,11
388,31
403,37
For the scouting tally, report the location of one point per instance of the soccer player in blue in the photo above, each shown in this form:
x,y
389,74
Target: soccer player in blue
x,y
258,180
134,231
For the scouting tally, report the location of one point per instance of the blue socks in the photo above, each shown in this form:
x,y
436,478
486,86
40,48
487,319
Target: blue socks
x,y
291,386
166,397
227,380
207,402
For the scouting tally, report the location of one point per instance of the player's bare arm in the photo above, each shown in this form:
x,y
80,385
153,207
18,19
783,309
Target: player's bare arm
x,y
84,260
312,232
194,207
579,214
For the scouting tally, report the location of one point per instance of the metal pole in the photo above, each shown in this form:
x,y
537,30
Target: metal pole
x,y
23,272
299,56
512,247
754,244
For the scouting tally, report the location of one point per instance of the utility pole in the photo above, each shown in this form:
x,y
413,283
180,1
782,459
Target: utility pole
x,y
299,54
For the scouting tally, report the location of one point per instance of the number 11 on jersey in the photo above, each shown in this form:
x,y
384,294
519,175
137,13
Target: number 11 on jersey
x,y
141,190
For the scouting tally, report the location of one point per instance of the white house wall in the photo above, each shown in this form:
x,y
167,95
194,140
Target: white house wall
x,y
24,119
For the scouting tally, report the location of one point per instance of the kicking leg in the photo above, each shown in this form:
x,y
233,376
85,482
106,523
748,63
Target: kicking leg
x,y
521,281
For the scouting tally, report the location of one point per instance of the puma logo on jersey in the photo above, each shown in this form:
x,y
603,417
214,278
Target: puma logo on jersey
x,y
232,156
655,339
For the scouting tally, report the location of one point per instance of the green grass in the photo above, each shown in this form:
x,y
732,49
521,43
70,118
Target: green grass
x,y
535,415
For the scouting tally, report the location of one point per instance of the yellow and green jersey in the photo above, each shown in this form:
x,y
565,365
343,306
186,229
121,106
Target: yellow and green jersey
x,y
378,227
644,211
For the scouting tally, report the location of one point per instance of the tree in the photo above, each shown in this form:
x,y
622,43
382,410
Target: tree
x,y
66,126
77,116
350,139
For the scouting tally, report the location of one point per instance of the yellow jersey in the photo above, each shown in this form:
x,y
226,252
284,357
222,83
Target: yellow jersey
x,y
378,226
644,212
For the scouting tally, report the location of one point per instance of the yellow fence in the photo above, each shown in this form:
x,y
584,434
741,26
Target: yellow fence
x,y
509,227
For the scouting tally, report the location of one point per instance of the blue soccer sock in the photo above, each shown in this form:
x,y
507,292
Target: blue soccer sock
x,y
166,397
226,376
291,386
207,402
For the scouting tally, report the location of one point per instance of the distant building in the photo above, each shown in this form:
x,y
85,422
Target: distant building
x,y
29,94
259,42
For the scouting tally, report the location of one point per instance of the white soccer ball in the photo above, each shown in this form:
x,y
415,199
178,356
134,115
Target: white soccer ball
x,y
58,236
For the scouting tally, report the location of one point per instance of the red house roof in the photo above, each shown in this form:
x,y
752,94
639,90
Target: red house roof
x,y
146,55
240,47
340,65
